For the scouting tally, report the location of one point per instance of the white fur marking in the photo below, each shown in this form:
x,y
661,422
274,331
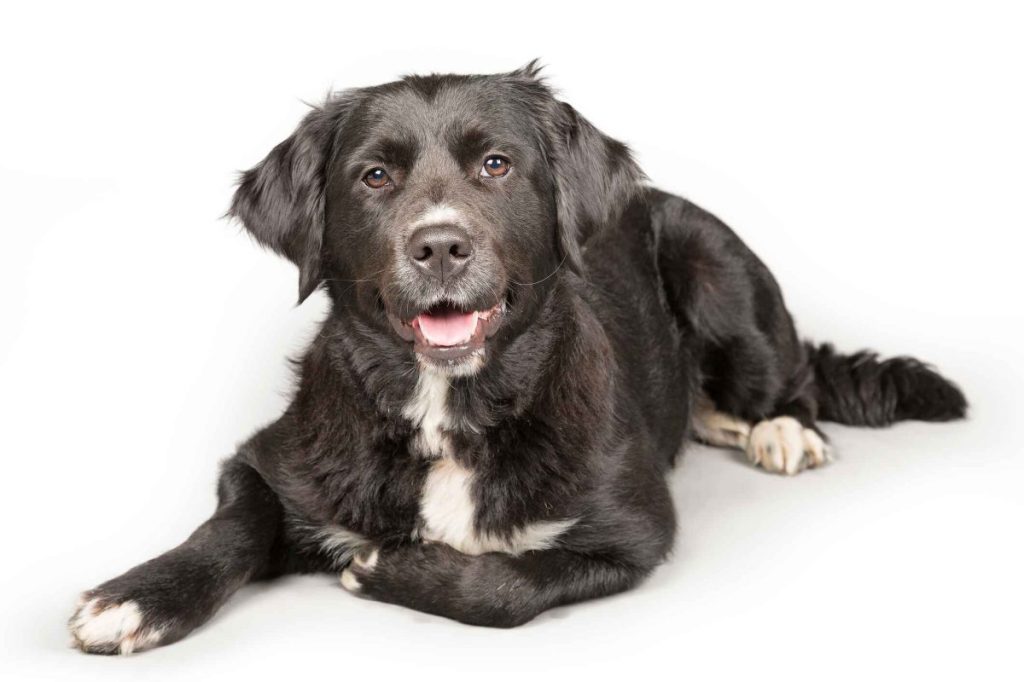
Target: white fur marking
x,y
780,445
365,563
368,562
349,581
118,626
339,543
783,445
428,410
817,451
465,367
448,514
438,214
718,428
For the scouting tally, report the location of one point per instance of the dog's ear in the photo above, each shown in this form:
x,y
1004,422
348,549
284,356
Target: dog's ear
x,y
281,200
595,178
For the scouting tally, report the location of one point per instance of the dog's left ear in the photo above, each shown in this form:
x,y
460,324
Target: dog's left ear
x,y
595,178
281,200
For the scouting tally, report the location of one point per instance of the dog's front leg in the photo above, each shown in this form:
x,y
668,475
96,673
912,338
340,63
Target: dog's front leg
x,y
164,599
495,590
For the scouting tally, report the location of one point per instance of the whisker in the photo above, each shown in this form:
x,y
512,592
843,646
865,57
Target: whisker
x,y
543,279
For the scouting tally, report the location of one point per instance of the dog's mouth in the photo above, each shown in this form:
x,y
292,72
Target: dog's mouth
x,y
448,332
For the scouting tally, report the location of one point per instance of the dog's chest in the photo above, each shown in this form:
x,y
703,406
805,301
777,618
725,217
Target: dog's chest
x,y
427,409
449,499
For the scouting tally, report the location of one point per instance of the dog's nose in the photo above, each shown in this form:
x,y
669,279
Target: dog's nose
x,y
440,251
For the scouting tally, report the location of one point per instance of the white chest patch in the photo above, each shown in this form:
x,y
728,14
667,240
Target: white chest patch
x,y
448,513
428,411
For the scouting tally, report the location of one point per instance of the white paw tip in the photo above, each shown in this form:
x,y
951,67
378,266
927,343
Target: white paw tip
x,y
117,628
783,445
349,581
367,562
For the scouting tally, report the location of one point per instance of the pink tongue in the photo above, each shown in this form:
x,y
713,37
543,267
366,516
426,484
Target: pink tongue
x,y
448,328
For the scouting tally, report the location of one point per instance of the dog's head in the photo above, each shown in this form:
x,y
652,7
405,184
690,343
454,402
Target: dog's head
x,y
438,209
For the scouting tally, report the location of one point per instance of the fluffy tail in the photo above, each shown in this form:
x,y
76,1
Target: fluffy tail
x,y
862,390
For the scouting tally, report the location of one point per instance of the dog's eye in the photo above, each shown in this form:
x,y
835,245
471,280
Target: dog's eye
x,y
495,166
377,178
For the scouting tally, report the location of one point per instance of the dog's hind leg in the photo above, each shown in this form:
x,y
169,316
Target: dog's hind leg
x,y
781,444
757,382
164,599
713,427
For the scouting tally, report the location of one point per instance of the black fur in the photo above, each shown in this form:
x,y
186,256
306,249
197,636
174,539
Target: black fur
x,y
622,305
862,390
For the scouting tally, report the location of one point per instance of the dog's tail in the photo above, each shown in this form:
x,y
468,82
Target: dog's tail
x,y
861,390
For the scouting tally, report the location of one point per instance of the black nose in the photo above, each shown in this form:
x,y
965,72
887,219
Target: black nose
x,y
440,251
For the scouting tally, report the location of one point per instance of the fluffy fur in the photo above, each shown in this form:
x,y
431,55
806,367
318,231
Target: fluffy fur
x,y
543,453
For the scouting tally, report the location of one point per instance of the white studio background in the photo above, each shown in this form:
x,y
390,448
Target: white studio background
x,y
873,156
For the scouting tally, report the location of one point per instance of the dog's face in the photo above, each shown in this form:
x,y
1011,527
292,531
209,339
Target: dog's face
x,y
440,209
439,200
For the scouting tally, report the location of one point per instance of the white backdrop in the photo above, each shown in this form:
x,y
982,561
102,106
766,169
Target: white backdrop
x,y
874,157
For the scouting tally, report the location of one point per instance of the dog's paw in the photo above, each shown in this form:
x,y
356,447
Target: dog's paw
x,y
103,625
783,445
359,570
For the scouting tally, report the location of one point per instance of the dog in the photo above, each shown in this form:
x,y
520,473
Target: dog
x,y
522,335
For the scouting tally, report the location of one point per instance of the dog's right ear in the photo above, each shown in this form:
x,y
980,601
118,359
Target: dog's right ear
x,y
281,200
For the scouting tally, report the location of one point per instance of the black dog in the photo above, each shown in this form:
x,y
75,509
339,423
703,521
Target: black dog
x,y
522,335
